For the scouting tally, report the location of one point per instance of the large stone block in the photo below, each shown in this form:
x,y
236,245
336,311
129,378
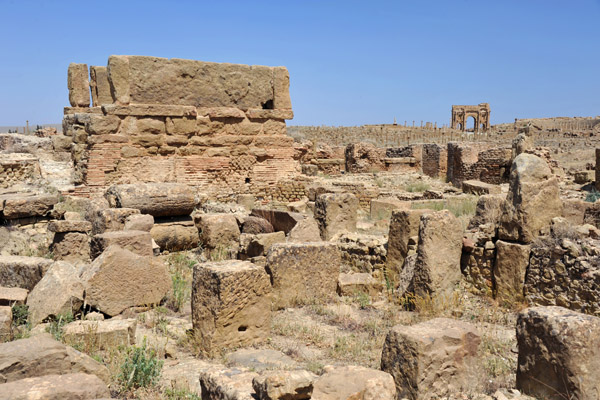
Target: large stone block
x,y
404,224
512,260
103,334
78,84
487,211
156,199
479,188
100,86
6,319
217,230
280,220
119,279
532,201
258,245
56,387
381,209
176,235
230,304
336,213
437,268
153,80
21,206
71,246
289,385
111,219
354,383
22,272
42,355
559,354
138,242
432,359
303,272
227,383
281,88
60,291
12,296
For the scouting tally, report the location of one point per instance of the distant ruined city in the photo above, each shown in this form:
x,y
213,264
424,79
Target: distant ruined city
x,y
177,239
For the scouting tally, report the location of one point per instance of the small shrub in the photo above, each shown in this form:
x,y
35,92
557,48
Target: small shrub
x,y
20,314
592,196
180,394
363,300
181,268
141,368
414,187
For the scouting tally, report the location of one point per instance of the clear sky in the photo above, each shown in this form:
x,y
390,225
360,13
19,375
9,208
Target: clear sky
x,y
350,62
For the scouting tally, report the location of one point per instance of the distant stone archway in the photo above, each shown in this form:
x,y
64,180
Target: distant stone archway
x,y
480,114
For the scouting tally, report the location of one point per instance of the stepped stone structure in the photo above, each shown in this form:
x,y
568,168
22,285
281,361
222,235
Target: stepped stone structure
x,y
218,127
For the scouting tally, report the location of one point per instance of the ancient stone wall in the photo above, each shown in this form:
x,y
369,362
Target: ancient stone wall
x,y
219,127
480,161
18,168
434,161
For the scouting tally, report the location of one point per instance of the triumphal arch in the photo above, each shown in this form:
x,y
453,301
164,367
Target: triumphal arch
x,y
480,114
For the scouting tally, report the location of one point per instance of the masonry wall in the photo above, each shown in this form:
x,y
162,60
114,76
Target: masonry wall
x,y
219,127
478,161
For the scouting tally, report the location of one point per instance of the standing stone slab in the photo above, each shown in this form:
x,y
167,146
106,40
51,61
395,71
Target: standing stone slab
x,y
100,86
404,224
230,304
119,279
60,291
336,213
303,272
532,201
510,267
437,269
22,272
431,359
559,354
79,86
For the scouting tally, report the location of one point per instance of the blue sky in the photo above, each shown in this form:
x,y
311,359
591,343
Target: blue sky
x,y
350,62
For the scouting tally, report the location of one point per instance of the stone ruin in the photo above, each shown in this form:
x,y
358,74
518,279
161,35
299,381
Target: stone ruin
x,y
219,127
184,182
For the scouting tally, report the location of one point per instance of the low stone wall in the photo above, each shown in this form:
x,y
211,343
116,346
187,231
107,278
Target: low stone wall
x,y
18,168
480,161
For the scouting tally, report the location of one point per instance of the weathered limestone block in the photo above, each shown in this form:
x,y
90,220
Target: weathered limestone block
x,y
28,205
101,124
230,304
103,334
303,272
431,359
79,86
42,355
256,225
280,220
56,387
156,199
229,383
284,385
100,86
64,226
217,230
336,213
532,201
559,354
139,222
22,272
511,264
479,188
119,279
176,235
404,224
306,230
258,245
138,242
149,110
364,157
383,208
437,268
488,211
352,284
111,219
12,296
281,89
153,80
354,383
71,246
5,323
59,292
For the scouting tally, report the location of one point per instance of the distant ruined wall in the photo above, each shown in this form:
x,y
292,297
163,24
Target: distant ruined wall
x,y
481,161
220,127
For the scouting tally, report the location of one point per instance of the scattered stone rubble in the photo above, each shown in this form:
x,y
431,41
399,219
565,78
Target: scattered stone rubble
x,y
161,156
